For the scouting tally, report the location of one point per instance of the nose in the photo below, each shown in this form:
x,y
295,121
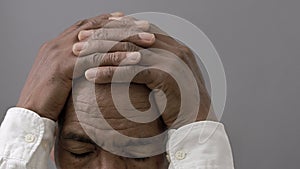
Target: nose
x,y
107,160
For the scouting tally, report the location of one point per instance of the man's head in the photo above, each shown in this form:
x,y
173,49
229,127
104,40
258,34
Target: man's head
x,y
82,129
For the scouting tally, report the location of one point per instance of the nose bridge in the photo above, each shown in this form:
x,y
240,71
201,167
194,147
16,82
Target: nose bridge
x,y
107,160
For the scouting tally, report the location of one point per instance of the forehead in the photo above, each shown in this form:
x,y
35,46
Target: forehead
x,y
82,122
94,106
103,123
89,97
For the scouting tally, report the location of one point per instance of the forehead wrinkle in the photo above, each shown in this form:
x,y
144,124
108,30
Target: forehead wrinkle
x,y
91,120
123,125
84,92
117,124
137,131
109,110
113,117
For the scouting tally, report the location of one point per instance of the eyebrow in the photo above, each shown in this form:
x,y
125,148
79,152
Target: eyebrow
x,y
78,137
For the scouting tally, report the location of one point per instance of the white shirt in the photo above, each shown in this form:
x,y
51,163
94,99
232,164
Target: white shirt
x,y
26,140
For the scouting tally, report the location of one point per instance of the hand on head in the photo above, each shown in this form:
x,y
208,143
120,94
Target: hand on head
x,y
113,48
163,64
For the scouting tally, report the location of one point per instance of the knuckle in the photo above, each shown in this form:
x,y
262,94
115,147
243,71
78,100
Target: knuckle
x,y
124,46
123,23
121,55
146,73
112,58
183,51
80,22
89,23
97,33
109,73
104,23
147,77
179,53
118,23
128,46
97,59
117,57
104,34
101,34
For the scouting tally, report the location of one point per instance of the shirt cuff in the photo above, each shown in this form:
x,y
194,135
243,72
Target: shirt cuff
x,y
201,144
22,132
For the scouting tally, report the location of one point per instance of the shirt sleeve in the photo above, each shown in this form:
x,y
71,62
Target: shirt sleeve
x,y
26,140
200,145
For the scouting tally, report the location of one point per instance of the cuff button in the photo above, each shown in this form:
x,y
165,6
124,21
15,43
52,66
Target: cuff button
x,y
180,155
29,138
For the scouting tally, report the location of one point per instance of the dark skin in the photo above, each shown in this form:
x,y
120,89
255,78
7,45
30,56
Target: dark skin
x,y
165,53
95,156
75,149
50,82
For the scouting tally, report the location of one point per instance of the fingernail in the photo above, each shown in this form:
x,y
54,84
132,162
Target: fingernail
x,y
144,25
91,74
133,57
85,34
78,47
117,14
147,36
115,18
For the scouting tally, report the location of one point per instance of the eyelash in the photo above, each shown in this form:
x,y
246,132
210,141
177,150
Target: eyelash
x,y
141,159
83,155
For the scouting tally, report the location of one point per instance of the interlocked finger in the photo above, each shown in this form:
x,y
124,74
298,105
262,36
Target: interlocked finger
x,y
133,27
106,59
118,34
103,46
138,24
104,75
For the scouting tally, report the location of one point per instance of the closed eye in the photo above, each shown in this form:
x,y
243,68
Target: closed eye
x,y
141,159
83,155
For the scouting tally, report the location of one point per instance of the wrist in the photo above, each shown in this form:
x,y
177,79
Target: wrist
x,y
40,112
45,99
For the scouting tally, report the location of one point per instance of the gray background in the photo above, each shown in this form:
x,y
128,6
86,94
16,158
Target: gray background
x,y
258,41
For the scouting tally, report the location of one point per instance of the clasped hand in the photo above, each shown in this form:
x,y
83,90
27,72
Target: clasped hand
x,y
113,48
